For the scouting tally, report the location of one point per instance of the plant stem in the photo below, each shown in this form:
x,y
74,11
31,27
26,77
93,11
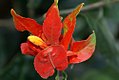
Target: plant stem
x,y
61,75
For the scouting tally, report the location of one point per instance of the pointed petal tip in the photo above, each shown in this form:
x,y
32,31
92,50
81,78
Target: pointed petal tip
x,y
93,37
93,33
13,12
77,10
82,4
56,1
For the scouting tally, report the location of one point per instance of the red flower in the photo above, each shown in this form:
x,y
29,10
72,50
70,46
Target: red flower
x,y
49,46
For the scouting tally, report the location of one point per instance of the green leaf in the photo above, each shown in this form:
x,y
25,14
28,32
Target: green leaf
x,y
105,41
61,75
95,75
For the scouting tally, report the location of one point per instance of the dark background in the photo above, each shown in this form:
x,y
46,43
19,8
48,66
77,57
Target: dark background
x,y
102,16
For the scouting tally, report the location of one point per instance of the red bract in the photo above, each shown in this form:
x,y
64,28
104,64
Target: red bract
x,y
82,50
49,46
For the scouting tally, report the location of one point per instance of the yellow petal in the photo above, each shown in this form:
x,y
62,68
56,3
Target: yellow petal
x,y
37,41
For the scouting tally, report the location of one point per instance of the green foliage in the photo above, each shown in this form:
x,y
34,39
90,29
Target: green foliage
x,y
96,75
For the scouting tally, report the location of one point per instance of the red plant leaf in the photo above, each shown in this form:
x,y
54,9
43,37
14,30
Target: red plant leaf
x,y
49,59
28,24
69,25
34,47
28,48
68,35
50,9
52,25
82,50
25,49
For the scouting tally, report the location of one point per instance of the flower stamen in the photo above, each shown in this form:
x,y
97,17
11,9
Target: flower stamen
x,y
37,41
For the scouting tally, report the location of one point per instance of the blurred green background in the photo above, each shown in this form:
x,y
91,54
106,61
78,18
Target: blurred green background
x,y
102,16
